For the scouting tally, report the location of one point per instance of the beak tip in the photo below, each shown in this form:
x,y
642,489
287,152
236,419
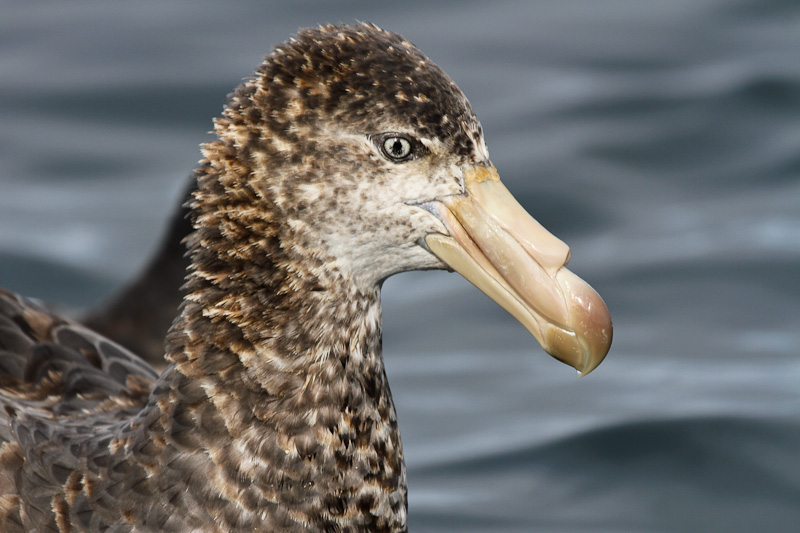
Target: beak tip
x,y
591,362
597,344
589,320
586,347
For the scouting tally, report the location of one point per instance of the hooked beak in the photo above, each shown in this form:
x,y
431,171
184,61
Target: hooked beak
x,y
502,250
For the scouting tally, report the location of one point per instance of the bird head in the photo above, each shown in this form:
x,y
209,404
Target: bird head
x,y
360,156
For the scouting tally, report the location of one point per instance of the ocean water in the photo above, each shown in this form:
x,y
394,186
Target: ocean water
x,y
660,140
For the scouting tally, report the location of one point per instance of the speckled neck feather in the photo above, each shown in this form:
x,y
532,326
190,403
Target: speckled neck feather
x,y
311,432
275,414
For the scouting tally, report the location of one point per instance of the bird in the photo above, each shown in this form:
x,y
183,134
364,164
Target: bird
x,y
347,157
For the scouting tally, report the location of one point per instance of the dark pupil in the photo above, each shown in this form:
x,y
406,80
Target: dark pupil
x,y
397,149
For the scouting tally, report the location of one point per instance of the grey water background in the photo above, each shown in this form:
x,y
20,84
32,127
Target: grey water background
x,y
660,140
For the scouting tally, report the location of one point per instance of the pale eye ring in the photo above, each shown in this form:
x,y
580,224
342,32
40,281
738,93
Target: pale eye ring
x,y
397,148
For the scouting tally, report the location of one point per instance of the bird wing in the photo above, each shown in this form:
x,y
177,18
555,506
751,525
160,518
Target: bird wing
x,y
53,369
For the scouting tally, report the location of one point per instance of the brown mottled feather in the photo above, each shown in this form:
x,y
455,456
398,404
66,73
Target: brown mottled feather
x,y
275,413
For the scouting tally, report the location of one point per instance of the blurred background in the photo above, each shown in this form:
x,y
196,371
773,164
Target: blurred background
x,y
660,140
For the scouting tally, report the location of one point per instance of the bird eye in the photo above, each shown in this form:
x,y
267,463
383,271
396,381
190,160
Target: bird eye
x,y
396,147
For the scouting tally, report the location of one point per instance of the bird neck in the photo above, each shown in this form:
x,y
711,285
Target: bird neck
x,y
286,369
